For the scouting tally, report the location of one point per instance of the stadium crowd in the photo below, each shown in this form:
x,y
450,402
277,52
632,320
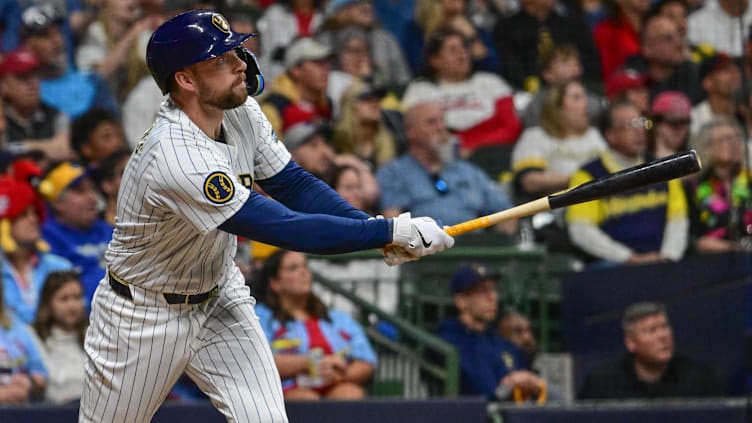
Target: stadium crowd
x,y
446,108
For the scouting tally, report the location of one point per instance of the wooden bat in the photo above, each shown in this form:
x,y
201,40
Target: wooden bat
x,y
662,170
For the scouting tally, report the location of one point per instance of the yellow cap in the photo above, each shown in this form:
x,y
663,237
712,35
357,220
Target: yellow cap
x,y
59,179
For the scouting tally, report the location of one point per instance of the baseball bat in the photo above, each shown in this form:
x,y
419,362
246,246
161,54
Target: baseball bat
x,y
667,168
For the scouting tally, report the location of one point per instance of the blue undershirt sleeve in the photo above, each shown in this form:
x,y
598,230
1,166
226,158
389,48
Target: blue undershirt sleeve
x,y
297,189
270,222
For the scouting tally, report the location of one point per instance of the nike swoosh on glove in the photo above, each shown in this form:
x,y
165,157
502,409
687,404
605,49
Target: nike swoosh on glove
x,y
420,236
394,255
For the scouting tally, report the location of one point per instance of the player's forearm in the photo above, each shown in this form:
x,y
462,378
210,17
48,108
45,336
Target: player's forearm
x,y
270,222
297,189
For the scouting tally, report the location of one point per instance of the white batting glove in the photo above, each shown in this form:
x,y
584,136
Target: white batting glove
x,y
419,236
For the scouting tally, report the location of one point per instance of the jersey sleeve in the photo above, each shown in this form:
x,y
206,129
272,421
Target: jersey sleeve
x,y
271,154
196,182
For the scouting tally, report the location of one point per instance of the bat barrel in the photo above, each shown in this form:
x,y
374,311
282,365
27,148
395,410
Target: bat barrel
x,y
667,168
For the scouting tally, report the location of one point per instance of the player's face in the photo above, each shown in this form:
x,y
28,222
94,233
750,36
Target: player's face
x,y
480,303
25,228
294,278
221,81
651,340
77,206
67,305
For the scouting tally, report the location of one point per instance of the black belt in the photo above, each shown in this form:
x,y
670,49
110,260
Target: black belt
x,y
121,288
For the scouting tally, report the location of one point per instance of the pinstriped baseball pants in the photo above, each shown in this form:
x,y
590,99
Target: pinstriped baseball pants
x,y
136,351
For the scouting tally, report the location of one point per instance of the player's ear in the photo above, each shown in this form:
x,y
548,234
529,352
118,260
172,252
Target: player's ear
x,y
185,80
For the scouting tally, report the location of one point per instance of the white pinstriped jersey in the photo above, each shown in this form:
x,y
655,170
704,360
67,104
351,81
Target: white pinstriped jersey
x,y
178,187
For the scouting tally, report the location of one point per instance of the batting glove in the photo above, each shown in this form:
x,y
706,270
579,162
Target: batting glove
x,y
419,236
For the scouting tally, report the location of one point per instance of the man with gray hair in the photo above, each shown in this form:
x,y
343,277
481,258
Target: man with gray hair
x,y
650,369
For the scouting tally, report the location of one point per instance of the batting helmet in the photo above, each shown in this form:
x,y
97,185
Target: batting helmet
x,y
193,37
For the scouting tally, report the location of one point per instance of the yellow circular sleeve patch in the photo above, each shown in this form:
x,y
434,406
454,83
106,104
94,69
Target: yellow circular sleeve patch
x,y
218,188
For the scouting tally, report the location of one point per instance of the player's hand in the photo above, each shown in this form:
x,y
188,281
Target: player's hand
x,y
419,236
394,255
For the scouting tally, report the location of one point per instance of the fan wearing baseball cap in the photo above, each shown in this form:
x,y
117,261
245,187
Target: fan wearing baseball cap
x,y
28,261
74,228
31,124
670,112
722,81
489,365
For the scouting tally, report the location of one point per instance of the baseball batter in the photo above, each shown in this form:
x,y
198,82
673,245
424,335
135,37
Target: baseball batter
x,y
173,300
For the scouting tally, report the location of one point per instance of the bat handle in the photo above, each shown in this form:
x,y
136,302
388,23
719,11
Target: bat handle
x,y
468,226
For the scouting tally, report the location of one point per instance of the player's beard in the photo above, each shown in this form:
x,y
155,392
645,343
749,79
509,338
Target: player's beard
x,y
230,99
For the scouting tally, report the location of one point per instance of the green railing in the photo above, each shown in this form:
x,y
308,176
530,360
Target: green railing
x,y
412,364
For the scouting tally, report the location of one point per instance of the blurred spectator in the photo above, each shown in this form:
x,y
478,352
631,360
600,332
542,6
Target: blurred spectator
x,y
320,352
489,365
718,23
515,328
670,114
386,51
346,181
720,200
631,86
361,130
478,106
546,156
95,135
63,87
394,15
281,23
524,37
74,229
722,81
433,15
618,37
663,60
428,180
309,148
107,178
10,24
115,45
31,125
299,95
645,225
559,66
23,375
650,369
484,14
27,261
61,325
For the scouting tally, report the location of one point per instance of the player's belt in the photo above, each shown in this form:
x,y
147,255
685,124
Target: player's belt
x,y
121,288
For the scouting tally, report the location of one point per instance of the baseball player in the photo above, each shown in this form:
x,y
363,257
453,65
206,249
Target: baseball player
x,y
173,300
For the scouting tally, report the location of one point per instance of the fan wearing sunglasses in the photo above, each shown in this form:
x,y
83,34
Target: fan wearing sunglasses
x,y
430,179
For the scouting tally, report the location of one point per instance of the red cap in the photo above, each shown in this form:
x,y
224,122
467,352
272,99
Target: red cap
x,y
623,80
671,105
19,62
15,197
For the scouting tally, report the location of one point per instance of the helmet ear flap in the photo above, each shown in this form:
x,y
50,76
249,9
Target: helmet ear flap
x,y
254,79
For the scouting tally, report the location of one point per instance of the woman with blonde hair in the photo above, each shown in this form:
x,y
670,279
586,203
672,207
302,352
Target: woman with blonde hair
x,y
361,130
546,155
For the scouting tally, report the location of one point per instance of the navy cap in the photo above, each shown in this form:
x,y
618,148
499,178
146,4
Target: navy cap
x,y
470,275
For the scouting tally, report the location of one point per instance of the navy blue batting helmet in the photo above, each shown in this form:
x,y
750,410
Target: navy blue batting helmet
x,y
193,37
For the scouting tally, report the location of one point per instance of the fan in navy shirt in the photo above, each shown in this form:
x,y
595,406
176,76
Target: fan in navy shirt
x,y
74,229
489,365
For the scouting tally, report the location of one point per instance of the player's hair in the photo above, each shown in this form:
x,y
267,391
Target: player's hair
x,y
45,319
552,120
314,306
638,311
